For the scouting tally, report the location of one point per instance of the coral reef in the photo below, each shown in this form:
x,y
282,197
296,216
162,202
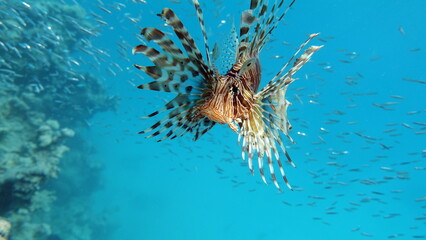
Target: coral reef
x,y
45,100
4,229
36,46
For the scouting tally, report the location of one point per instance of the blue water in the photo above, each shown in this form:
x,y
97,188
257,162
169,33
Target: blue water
x,y
346,186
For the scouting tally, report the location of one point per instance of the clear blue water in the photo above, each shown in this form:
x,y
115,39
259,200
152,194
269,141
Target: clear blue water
x,y
347,187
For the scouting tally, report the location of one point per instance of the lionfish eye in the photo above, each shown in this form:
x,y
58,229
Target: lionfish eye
x,y
246,66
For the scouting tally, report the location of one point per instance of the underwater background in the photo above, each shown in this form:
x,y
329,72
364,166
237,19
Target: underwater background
x,y
72,166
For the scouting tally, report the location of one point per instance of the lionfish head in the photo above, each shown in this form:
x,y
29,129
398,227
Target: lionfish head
x,y
232,96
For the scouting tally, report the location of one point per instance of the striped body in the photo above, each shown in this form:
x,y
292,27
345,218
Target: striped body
x,y
205,97
232,96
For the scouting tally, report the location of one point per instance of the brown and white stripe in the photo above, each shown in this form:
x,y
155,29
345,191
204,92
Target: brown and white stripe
x,y
204,97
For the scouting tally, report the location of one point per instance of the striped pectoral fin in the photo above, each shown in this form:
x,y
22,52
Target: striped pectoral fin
x,y
265,149
175,86
283,175
187,41
171,74
163,86
274,123
165,65
258,23
177,125
252,148
159,123
261,25
254,4
247,20
165,43
180,101
281,79
172,59
260,156
178,130
180,120
158,58
185,124
169,122
152,71
272,172
274,127
203,126
277,156
260,135
203,30
253,23
304,58
270,144
244,150
269,23
179,108
253,145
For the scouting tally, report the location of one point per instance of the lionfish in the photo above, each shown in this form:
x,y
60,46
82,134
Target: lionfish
x,y
205,96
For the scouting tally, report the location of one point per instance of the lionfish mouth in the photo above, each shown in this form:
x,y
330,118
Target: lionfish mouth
x,y
218,116
223,87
